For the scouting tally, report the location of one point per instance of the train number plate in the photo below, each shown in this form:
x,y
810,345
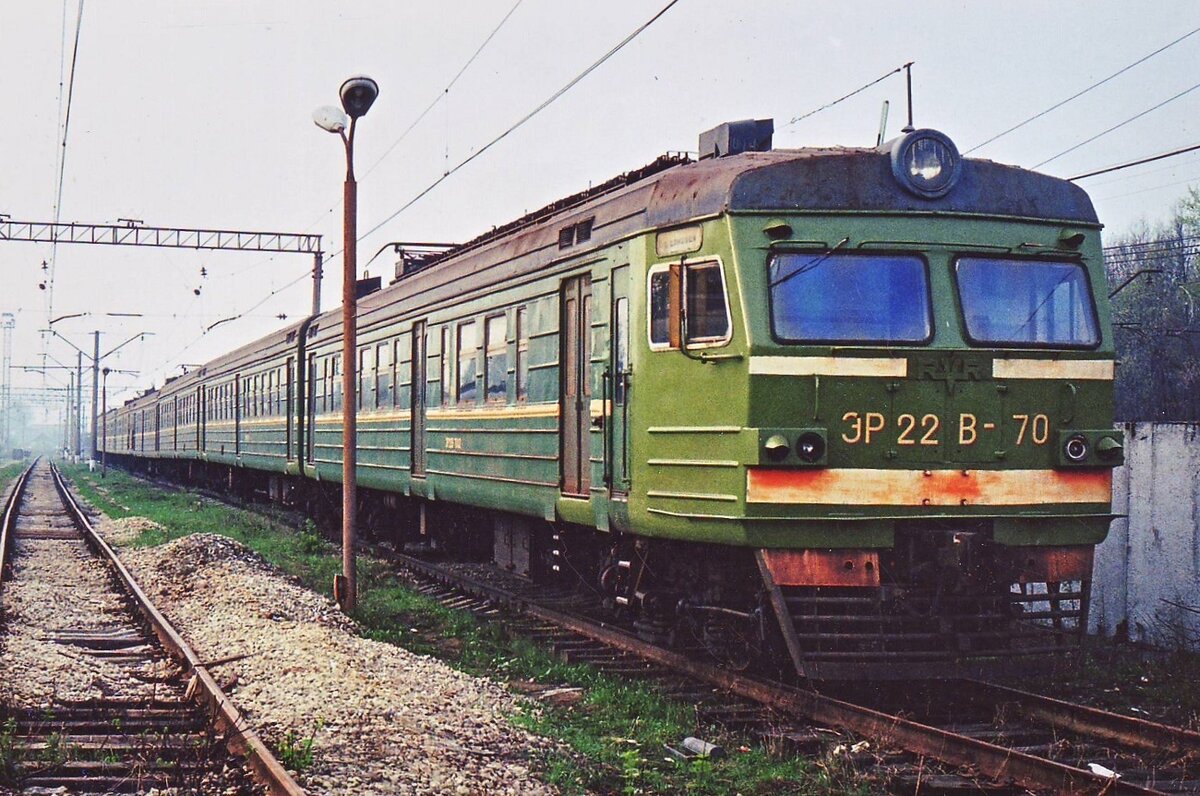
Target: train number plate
x,y
869,428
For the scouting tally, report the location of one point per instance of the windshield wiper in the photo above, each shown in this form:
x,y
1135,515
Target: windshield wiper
x,y
810,265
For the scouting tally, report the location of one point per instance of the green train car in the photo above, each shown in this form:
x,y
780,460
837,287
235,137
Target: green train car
x,y
848,410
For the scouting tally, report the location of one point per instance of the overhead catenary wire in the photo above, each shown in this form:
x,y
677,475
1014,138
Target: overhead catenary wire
x,y
1138,162
858,90
1118,125
444,92
62,159
441,95
1126,178
520,122
236,316
1152,188
1077,95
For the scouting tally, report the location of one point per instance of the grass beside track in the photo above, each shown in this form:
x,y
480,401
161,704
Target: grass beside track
x,y
616,729
8,472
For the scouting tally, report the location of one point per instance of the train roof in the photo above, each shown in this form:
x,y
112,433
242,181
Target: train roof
x,y
675,190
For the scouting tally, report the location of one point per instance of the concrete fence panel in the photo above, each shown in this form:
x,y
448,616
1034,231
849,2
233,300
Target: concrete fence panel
x,y
1147,578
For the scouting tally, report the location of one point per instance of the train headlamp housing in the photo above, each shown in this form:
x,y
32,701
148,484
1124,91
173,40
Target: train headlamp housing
x,y
1076,448
1090,448
926,163
793,447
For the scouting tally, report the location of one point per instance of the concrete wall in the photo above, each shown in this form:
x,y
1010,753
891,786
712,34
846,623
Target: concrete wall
x,y
1147,574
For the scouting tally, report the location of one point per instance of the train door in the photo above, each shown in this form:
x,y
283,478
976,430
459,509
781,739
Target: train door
x,y
289,411
418,389
175,422
617,380
575,361
201,400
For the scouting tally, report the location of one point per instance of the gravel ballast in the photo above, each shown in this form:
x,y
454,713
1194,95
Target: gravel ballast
x,y
384,720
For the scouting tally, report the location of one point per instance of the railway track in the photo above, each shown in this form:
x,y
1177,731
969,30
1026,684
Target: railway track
x,y
988,737
149,714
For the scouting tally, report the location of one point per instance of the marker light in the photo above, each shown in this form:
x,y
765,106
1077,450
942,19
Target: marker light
x,y
810,447
926,163
776,448
1076,448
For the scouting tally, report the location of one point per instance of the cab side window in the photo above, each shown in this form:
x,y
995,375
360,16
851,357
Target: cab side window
x,y
700,287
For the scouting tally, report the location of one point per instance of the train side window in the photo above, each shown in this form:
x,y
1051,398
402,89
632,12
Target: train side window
x,y
327,384
383,375
398,349
707,307
447,368
695,291
312,386
495,378
521,371
335,382
366,384
621,347
468,343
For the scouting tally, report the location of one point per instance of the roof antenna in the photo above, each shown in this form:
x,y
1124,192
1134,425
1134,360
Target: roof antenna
x,y
908,128
883,114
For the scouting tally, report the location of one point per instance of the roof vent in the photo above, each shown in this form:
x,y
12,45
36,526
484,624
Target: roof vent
x,y
733,138
367,286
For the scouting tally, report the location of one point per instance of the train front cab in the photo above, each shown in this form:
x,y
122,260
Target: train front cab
x,y
908,425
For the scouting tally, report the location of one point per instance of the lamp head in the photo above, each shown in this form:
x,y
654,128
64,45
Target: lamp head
x,y
329,119
358,93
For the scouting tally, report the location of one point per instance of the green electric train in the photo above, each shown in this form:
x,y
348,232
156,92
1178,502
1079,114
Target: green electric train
x,y
844,409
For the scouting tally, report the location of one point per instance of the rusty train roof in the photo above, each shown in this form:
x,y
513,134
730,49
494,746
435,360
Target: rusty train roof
x,y
670,192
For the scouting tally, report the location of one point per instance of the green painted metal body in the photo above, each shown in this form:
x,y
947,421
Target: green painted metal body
x,y
670,456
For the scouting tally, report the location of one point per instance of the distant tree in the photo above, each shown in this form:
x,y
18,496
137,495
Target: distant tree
x,y
1156,326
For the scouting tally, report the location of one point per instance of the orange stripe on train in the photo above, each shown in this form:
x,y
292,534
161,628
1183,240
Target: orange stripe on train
x,y
866,487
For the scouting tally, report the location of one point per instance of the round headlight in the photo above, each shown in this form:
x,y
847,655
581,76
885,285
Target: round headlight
x,y
926,163
810,446
1076,448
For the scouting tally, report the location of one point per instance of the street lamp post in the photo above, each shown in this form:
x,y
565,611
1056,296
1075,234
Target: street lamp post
x,y
357,95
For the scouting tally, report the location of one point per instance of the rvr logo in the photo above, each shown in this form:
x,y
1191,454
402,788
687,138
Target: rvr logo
x,y
949,369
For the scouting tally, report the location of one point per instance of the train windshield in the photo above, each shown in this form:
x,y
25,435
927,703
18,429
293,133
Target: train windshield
x,y
1027,302
861,298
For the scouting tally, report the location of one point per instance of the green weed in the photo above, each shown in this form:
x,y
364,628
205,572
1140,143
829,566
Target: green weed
x,y
296,752
612,741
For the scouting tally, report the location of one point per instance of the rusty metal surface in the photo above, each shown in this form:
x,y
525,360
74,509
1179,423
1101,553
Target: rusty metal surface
x,y
8,522
823,567
240,735
1053,564
1096,723
996,762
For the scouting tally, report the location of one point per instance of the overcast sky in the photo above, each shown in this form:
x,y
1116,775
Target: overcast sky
x,y
199,115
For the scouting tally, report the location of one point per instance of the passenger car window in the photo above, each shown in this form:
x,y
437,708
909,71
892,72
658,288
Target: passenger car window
x,y
522,368
496,368
467,343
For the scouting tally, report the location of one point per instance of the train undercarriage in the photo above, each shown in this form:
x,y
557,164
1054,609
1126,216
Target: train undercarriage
x,y
944,601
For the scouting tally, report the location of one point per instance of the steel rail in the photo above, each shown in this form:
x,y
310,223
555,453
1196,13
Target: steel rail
x,y
1127,730
995,762
241,739
9,522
